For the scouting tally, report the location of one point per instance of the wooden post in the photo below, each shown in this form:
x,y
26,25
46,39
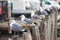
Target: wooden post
x,y
27,35
9,17
35,33
56,25
15,37
54,21
48,28
42,31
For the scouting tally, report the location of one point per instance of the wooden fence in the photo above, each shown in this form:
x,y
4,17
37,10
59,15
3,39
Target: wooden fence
x,y
50,26
45,31
47,28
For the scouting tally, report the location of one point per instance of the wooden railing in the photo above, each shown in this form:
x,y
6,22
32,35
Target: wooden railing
x,y
47,29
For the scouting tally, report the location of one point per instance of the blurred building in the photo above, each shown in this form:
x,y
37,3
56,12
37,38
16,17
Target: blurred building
x,y
58,0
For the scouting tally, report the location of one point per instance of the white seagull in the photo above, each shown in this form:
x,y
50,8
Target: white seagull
x,y
16,27
42,11
35,16
26,20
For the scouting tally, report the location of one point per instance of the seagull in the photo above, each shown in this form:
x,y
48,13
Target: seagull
x,y
16,27
43,11
35,16
26,20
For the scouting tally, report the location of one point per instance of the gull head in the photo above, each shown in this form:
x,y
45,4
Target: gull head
x,y
22,16
32,13
12,21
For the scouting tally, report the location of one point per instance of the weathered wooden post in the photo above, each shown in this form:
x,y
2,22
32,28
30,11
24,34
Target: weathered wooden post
x,y
42,30
48,28
15,37
35,33
54,21
9,17
27,35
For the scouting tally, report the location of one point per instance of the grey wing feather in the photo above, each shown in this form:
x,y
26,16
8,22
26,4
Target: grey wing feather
x,y
44,13
28,21
36,17
16,27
